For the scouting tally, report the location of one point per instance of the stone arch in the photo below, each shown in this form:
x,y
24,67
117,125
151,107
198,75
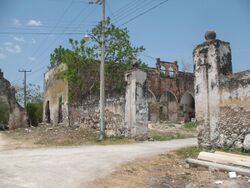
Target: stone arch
x,y
168,107
152,107
187,106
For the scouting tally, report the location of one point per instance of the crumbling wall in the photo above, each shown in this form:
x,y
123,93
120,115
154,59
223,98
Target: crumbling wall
x,y
55,105
87,115
234,116
12,114
136,107
222,99
165,79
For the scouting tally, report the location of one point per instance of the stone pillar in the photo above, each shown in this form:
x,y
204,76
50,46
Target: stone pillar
x,y
212,61
136,107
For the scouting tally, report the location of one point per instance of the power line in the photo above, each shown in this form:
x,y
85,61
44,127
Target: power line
x,y
40,33
148,10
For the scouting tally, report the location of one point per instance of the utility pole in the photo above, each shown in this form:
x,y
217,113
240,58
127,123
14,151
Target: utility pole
x,y
102,75
24,84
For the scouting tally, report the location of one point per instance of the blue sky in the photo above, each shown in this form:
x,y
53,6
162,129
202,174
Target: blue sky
x,y
170,31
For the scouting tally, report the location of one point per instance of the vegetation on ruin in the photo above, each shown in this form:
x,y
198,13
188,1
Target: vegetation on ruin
x,y
82,60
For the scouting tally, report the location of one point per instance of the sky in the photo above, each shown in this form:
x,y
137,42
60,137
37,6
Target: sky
x,y
31,29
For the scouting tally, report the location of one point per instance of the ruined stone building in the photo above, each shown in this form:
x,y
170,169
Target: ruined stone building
x,y
170,93
12,115
222,97
154,94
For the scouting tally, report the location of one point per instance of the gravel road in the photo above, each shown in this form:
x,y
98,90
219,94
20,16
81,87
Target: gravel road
x,y
65,167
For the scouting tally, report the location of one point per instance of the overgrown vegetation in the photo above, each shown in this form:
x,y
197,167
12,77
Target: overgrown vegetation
x,y
82,61
35,113
34,106
190,125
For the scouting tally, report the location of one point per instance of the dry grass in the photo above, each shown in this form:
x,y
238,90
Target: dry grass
x,y
61,136
165,170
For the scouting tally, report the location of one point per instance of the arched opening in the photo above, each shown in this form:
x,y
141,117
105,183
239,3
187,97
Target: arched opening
x,y
168,107
152,107
60,116
47,112
187,107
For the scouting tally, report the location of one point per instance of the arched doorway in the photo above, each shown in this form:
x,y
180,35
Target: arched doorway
x,y
187,106
60,115
168,107
47,112
152,107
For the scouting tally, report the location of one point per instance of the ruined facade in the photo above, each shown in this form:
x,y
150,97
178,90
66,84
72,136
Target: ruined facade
x,y
12,115
170,93
222,98
125,115
55,97
153,94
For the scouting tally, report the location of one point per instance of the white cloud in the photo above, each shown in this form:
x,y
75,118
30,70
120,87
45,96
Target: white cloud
x,y
12,48
16,22
2,56
34,23
32,58
19,39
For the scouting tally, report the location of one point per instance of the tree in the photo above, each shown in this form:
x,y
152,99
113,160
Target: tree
x,y
34,107
82,61
33,94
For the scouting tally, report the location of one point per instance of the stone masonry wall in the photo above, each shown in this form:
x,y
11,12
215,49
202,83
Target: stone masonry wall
x,y
234,117
222,98
87,115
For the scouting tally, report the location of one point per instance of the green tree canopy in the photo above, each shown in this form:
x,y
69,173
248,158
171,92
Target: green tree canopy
x,y
82,60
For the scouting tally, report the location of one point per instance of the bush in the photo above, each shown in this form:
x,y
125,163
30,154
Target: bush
x,y
35,113
4,112
190,125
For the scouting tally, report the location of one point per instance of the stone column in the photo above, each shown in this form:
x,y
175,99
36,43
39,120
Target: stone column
x,y
212,61
136,106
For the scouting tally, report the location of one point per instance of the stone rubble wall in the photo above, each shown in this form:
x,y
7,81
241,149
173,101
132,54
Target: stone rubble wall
x,y
87,116
16,115
222,99
234,121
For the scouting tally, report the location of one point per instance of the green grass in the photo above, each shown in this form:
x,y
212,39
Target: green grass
x,y
190,125
235,151
164,136
191,152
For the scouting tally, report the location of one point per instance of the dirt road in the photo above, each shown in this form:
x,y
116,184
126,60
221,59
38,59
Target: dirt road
x,y
72,166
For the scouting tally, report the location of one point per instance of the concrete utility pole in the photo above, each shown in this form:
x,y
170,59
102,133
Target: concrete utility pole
x,y
102,75
24,84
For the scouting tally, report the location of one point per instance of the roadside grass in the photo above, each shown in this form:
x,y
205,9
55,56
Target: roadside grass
x,y
189,152
234,151
164,135
190,125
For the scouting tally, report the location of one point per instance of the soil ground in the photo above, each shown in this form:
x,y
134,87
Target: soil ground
x,y
47,135
165,170
168,170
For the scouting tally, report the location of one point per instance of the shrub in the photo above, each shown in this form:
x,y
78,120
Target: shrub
x,y
35,113
190,125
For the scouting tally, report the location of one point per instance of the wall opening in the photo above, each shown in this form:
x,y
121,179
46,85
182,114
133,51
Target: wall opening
x,y
187,106
152,107
47,112
60,115
168,107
